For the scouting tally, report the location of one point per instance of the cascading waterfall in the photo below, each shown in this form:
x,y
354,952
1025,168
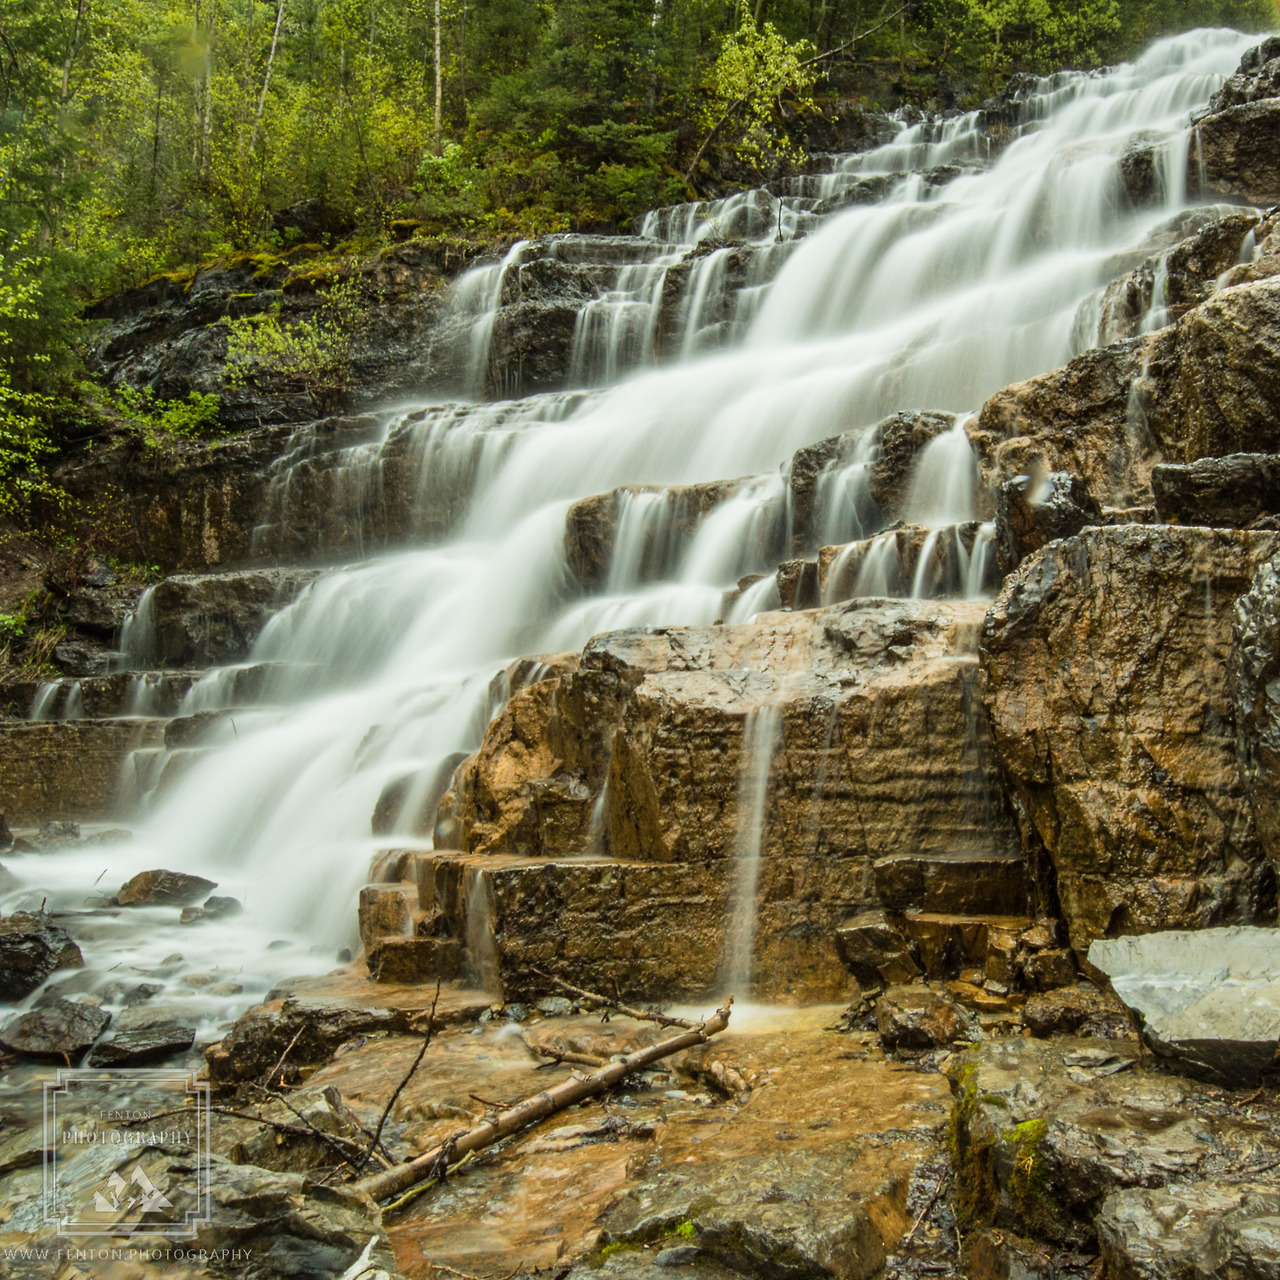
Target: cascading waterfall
x,y
934,296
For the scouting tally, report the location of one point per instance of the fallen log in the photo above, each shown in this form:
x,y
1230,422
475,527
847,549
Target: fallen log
x,y
435,1163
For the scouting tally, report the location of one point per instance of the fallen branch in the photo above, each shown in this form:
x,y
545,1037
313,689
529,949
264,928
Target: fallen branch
x,y
431,1023
330,1140
435,1163
609,1002
555,1057
288,1049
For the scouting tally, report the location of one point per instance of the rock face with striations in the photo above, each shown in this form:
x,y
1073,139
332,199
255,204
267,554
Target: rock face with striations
x,y
1230,492
31,948
1104,671
1255,692
1236,139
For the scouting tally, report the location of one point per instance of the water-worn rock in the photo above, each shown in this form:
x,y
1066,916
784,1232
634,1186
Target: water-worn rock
x,y
1255,696
661,518
875,750
31,948
1209,998
1045,1130
1076,1011
59,1030
918,1017
201,619
1115,728
163,889
1233,491
909,560
66,769
1198,1232
144,1034
1030,513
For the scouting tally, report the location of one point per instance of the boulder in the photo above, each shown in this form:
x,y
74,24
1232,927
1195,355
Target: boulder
x,y
1209,999
1224,1229
876,951
1046,1130
1230,492
1255,696
1104,672
60,1030
917,1017
215,908
31,948
1031,512
1076,1011
141,1035
900,439
1237,150
163,889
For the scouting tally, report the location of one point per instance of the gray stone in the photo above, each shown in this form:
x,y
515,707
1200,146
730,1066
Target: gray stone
x,y
1209,998
63,1029
781,1215
215,908
31,948
142,1035
683,1255
1197,1232
555,1007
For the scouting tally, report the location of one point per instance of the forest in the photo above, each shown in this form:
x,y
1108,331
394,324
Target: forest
x,y
140,137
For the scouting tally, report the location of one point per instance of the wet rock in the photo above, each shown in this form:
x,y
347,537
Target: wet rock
x,y
1076,1011
1030,513
592,526
798,584
1256,79
780,1214
1232,491
1114,725
6,836
51,830
1141,170
1191,1232
143,1035
163,889
554,1007
858,691
60,1030
66,769
962,884
204,619
415,959
1255,693
1209,998
320,1108
1045,1130
215,908
876,951
258,1040
919,1018
1001,1255
31,948
909,560
1237,150
900,440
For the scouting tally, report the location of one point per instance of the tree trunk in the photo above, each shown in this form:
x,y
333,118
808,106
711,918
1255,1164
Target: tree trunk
x,y
82,11
266,78
439,80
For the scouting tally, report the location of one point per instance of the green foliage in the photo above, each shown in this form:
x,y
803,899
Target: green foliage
x,y
687,1230
311,354
159,422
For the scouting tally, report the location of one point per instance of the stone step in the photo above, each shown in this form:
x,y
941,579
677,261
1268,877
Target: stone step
x,y
963,883
122,694
67,771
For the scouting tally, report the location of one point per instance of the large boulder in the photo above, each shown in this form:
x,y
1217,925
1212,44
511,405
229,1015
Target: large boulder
x,y
1209,999
31,948
164,889
1104,671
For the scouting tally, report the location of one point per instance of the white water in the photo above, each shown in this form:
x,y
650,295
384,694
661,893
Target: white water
x,y
932,298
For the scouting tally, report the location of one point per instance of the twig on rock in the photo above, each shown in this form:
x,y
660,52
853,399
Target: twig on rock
x,y
431,1024
608,1002
436,1161
288,1049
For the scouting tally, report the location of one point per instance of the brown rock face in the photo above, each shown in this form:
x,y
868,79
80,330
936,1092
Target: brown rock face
x,y
873,750
1240,149
1104,671
66,769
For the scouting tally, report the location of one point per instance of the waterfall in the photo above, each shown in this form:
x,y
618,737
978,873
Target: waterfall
x,y
930,296
760,735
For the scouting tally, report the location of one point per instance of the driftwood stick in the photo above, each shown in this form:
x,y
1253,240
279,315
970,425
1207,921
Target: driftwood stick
x,y
609,1002
377,1133
436,1161
288,1050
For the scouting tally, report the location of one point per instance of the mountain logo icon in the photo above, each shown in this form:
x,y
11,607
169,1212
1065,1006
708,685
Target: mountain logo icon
x,y
139,1192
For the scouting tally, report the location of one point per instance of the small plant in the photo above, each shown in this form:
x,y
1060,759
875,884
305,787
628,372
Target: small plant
x,y
157,422
314,354
686,1230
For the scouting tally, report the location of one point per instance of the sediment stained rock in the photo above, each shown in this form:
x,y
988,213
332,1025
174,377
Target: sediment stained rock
x,y
1104,672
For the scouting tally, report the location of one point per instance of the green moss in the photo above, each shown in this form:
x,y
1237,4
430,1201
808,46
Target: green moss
x,y
972,1153
1038,1210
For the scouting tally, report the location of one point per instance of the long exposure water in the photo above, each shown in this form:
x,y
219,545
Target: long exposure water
x,y
932,298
